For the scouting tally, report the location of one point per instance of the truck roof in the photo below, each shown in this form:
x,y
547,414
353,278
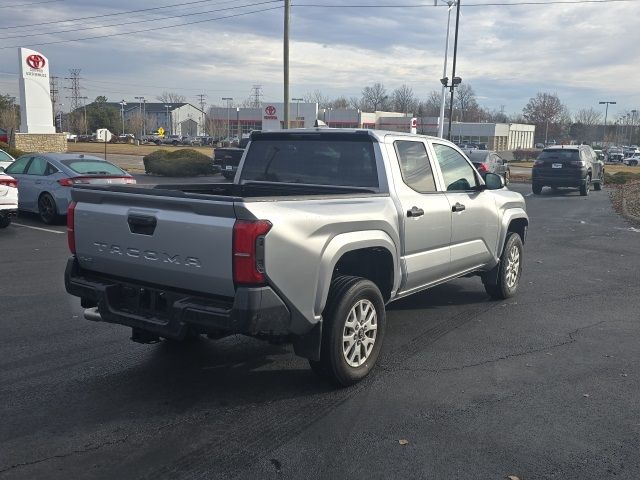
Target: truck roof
x,y
377,134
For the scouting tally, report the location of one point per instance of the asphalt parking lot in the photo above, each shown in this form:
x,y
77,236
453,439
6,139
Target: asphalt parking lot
x,y
545,385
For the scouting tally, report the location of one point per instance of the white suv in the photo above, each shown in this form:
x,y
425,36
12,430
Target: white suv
x,y
8,199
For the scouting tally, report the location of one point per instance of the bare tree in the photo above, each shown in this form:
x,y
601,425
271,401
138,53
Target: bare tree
x,y
134,123
547,113
340,102
171,97
317,97
375,97
588,116
404,101
431,106
356,103
465,103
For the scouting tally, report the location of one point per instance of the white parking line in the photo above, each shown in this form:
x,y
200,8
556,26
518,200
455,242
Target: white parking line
x,y
37,228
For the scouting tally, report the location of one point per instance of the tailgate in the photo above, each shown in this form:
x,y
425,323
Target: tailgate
x,y
171,241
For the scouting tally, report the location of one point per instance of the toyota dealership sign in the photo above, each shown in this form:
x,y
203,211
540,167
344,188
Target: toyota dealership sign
x,y
36,112
270,112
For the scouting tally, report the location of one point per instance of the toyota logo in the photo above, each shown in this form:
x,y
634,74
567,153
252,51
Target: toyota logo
x,y
36,61
270,110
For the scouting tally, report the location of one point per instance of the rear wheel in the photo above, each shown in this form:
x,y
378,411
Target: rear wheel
x,y
507,272
537,188
47,209
586,186
5,222
507,177
597,186
353,330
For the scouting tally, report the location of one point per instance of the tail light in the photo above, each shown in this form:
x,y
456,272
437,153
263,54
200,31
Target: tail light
x,y
71,234
482,168
9,182
98,180
248,251
538,163
579,163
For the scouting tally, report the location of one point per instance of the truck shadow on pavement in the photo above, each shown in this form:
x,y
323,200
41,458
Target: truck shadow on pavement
x,y
459,292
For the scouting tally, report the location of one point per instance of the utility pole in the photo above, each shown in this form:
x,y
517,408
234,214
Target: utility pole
x,y
201,98
287,14
84,106
53,87
228,100
606,112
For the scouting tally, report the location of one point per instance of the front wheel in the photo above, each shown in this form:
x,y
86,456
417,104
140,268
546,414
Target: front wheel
x,y
537,188
502,283
353,330
507,177
597,186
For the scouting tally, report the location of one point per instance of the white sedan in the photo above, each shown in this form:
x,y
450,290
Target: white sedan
x,y
5,159
632,161
8,199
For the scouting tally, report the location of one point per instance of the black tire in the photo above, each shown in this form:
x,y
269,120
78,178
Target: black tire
x,y
585,187
5,222
47,209
228,176
507,177
597,186
504,286
536,188
345,296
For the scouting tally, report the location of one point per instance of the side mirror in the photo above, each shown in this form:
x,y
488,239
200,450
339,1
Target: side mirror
x,y
494,181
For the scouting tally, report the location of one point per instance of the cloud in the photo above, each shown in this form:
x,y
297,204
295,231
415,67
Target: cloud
x,y
584,52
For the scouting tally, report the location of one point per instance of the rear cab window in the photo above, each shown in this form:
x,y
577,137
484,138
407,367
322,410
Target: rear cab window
x,y
314,159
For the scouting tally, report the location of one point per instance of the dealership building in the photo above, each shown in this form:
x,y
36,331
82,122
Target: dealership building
x,y
176,118
497,136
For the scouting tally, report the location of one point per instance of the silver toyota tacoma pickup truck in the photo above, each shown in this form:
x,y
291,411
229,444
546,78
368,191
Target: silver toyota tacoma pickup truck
x,y
320,229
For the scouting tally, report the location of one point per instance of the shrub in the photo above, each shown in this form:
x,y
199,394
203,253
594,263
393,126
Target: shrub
x,y
621,178
14,152
520,155
178,163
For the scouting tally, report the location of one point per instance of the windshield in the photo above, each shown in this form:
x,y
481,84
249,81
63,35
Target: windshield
x,y
559,154
93,167
340,161
4,157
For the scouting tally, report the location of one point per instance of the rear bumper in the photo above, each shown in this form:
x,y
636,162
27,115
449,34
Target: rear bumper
x,y
257,311
574,179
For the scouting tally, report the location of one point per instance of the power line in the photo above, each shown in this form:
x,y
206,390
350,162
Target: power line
x,y
32,3
144,21
146,29
114,14
494,4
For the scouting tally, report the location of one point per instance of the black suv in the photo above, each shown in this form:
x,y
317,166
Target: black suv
x,y
568,166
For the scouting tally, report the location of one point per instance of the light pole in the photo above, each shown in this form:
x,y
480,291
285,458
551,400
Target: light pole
x,y
229,100
606,112
298,100
122,105
454,80
167,107
444,73
633,125
140,99
285,51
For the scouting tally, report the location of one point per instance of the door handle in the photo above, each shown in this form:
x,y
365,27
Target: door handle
x,y
38,182
458,207
415,212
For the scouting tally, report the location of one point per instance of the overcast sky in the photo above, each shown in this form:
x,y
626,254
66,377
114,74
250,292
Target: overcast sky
x,y
586,52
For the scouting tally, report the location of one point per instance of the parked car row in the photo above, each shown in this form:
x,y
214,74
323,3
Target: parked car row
x,y
43,180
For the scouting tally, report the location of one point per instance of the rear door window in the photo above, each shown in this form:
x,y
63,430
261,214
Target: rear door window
x,y
414,165
37,167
